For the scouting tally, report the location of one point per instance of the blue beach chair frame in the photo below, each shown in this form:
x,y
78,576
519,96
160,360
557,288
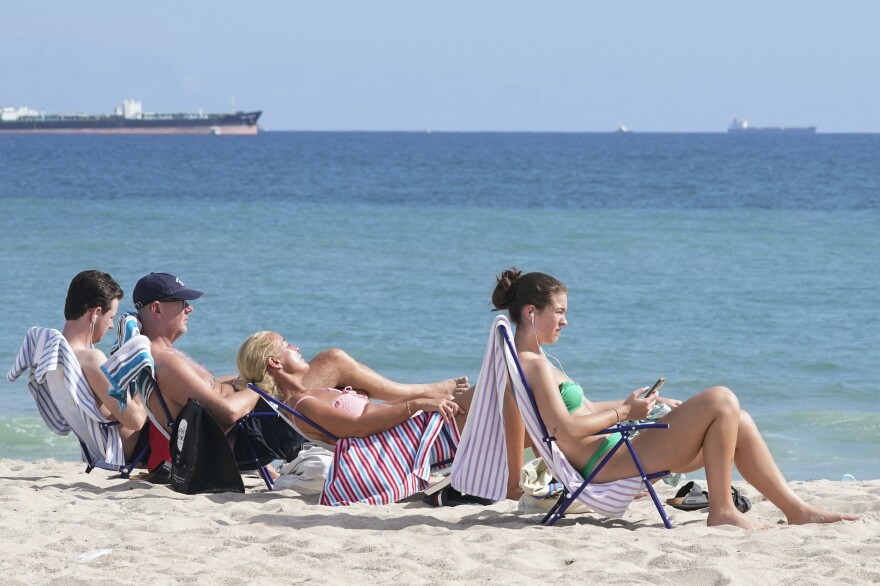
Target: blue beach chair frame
x,y
125,470
626,432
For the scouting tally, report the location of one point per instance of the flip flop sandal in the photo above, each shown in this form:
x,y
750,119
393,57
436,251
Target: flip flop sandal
x,y
740,501
449,497
691,497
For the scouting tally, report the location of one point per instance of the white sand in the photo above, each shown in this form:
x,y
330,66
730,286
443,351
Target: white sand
x,y
60,525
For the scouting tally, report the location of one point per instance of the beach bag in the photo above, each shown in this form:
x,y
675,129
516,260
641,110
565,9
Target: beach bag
x,y
541,491
201,457
307,472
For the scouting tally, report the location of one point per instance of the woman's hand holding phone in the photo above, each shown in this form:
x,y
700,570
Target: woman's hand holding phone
x,y
655,388
640,402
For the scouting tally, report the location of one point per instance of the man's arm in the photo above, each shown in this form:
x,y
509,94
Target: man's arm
x,y
230,383
179,381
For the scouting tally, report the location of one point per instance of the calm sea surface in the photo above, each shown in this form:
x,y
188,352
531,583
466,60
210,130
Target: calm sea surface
x,y
748,261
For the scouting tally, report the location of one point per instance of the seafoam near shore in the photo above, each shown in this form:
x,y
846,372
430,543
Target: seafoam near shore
x,y
61,525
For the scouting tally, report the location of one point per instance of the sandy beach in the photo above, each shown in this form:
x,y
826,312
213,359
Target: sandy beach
x,y
62,525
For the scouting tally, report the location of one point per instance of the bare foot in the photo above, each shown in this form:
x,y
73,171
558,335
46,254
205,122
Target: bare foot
x,y
453,386
734,518
814,515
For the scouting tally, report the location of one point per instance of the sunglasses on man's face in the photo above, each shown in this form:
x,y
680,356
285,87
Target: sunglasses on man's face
x,y
183,303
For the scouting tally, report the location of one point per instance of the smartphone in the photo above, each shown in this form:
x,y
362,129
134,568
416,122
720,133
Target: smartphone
x,y
654,389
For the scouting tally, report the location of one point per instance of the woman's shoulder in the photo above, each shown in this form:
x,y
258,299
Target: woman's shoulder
x,y
540,371
536,367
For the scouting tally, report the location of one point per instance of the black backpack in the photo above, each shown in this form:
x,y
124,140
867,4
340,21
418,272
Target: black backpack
x,y
201,457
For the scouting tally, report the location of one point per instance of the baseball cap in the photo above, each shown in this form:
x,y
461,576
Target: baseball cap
x,y
158,286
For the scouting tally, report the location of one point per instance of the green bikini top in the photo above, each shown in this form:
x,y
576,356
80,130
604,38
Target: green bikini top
x,y
572,395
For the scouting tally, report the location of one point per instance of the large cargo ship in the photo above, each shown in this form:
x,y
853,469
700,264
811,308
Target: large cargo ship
x,y
128,118
742,125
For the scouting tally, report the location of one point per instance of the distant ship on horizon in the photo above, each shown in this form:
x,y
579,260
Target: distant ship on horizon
x,y
742,125
128,118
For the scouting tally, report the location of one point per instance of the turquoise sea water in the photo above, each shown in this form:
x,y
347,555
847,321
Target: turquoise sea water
x,y
751,262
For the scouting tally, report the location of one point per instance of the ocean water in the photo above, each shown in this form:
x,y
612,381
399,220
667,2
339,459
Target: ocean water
x,y
748,261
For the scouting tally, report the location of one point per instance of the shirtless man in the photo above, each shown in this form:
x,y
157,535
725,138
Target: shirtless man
x,y
91,304
162,302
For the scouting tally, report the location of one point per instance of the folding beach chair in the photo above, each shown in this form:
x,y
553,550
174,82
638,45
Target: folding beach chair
x,y
385,467
130,369
480,467
66,402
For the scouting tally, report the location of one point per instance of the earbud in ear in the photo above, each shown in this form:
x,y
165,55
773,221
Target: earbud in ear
x,y
532,315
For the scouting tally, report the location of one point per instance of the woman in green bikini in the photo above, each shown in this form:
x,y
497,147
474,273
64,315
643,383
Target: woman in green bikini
x,y
707,431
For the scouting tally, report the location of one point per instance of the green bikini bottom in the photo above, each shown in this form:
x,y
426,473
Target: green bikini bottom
x,y
603,449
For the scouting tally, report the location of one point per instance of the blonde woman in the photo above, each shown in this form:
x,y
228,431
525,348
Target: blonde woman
x,y
273,364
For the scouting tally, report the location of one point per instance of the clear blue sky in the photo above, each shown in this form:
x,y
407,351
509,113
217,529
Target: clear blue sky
x,y
455,65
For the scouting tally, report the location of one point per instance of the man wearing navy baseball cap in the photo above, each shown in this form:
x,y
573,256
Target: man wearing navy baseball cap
x,y
162,302
159,287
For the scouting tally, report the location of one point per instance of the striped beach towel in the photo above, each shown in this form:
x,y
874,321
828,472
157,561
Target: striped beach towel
x,y
480,467
130,367
389,466
63,396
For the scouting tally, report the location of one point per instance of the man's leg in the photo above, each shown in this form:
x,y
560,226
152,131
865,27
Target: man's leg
x,y
334,368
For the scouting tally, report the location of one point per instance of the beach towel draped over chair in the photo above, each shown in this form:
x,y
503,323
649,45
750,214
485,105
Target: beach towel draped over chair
x,y
385,467
480,466
389,466
130,368
64,399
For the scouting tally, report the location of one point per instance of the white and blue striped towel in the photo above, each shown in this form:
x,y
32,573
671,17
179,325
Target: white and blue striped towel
x,y
63,396
130,367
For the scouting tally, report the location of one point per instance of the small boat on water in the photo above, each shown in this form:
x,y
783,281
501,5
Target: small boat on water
x,y
623,129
